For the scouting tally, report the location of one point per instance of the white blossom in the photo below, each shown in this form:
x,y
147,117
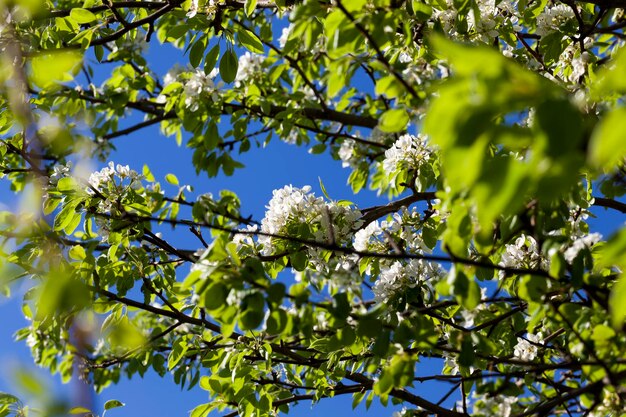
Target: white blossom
x,y
246,239
525,349
399,277
552,18
494,406
172,74
249,66
209,8
580,243
346,152
129,45
362,237
485,23
193,9
284,36
524,253
408,151
298,206
447,17
112,183
200,85
60,171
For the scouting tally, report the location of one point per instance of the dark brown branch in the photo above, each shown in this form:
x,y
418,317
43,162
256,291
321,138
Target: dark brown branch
x,y
125,29
609,203
312,113
373,213
114,5
138,126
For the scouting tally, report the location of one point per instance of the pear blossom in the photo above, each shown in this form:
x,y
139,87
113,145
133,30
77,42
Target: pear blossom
x,y
552,18
172,74
408,152
201,85
524,253
399,277
526,349
284,36
292,206
580,243
494,406
249,66
346,152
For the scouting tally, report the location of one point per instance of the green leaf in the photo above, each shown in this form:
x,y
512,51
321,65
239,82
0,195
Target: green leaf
x,y
79,410
228,66
66,185
172,179
215,295
113,404
250,40
611,78
179,348
532,288
250,319
617,302
607,146
323,188
250,6
202,410
211,58
299,260
197,51
466,290
57,67
78,253
394,120
82,16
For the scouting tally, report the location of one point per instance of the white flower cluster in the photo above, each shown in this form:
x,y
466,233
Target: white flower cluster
x,y
199,87
60,171
129,45
104,181
419,71
291,206
447,17
375,237
250,65
351,151
399,277
494,406
486,21
209,9
553,18
612,405
524,253
526,349
408,152
347,152
284,36
101,179
172,75
572,64
580,243
482,22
